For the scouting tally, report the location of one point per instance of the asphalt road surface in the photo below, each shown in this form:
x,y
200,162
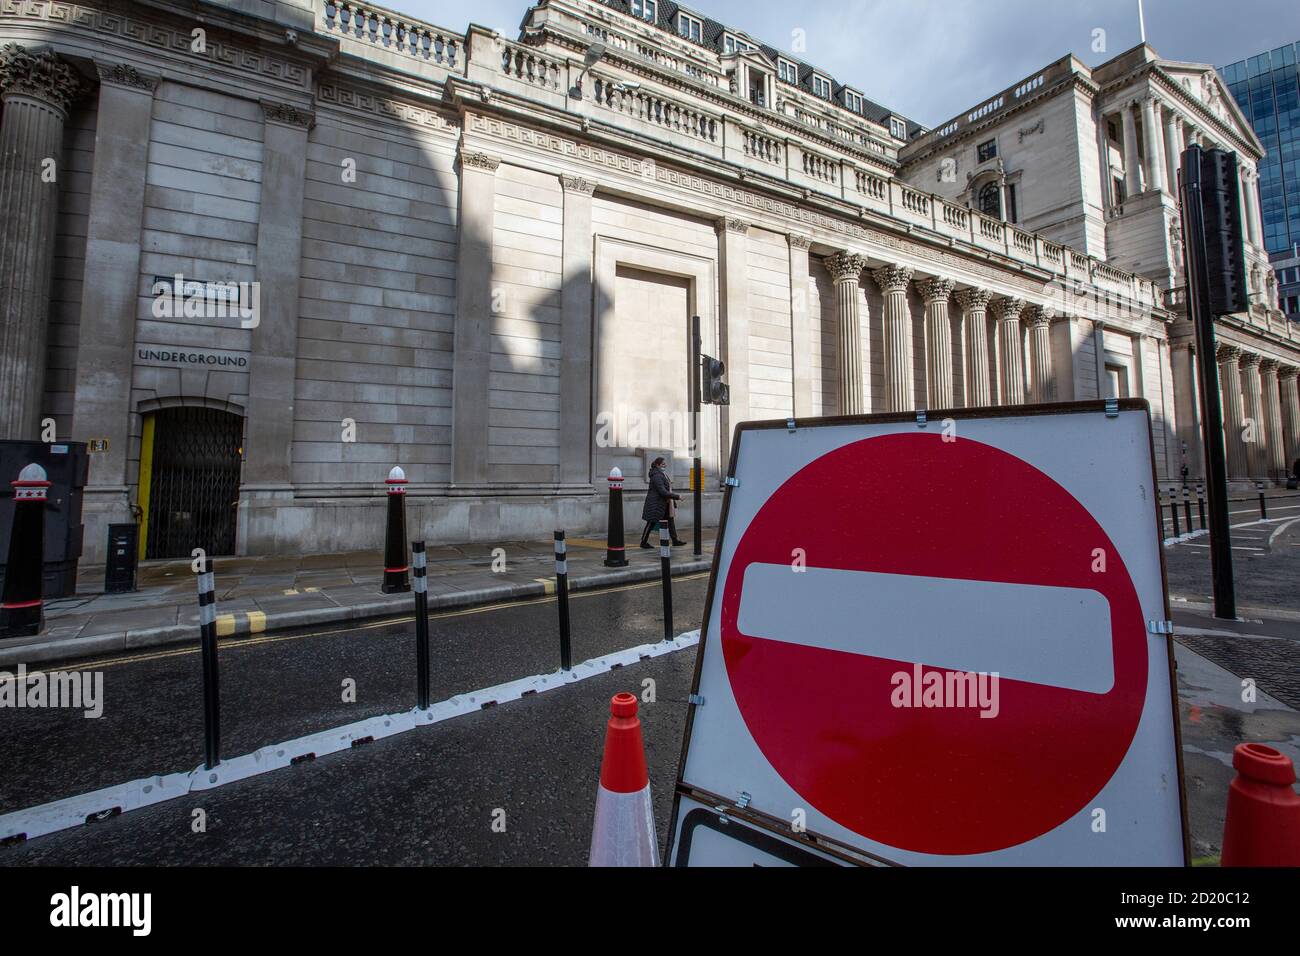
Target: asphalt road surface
x,y
430,796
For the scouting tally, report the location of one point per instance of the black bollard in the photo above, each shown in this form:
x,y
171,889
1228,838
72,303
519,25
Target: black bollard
x,y
562,592
666,568
1173,511
208,649
1187,507
1263,509
23,610
396,576
1200,504
420,566
616,552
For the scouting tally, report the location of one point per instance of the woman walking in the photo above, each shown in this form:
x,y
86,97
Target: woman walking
x,y
660,503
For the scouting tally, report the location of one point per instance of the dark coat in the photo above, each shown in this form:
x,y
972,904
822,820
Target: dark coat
x,y
657,495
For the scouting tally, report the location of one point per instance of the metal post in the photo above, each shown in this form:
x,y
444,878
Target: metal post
x,y
697,472
1200,504
666,568
1173,512
420,567
396,577
1263,508
615,548
562,591
23,610
211,681
1202,316
1187,507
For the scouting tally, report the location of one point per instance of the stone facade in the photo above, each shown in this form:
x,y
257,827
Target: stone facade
x,y
477,258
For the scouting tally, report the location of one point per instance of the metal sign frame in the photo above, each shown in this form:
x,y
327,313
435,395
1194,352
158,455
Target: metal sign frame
x,y
821,842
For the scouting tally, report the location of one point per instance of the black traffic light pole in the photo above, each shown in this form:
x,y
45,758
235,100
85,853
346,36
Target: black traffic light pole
x,y
1201,310
697,475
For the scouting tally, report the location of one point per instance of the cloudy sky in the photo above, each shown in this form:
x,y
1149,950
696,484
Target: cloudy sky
x,y
931,59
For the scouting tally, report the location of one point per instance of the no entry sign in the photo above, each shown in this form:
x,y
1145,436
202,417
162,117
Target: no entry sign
x,y
942,643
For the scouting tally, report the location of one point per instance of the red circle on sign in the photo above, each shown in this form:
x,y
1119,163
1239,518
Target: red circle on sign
x,y
942,780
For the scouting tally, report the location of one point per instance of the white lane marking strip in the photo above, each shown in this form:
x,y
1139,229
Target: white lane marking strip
x,y
74,811
1060,637
1280,530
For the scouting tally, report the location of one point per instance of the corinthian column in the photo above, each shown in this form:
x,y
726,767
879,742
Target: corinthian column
x,y
900,396
846,271
938,342
1151,136
1253,400
1287,380
1275,443
1011,364
1040,352
974,304
37,88
1233,424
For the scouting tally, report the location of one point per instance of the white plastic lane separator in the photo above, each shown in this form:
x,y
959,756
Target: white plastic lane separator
x,y
910,618
125,797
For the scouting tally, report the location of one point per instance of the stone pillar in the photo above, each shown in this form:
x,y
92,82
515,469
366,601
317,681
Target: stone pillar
x,y
733,261
846,271
473,335
1250,204
37,89
1275,442
1040,345
576,412
1233,414
1173,152
974,304
1132,164
1252,395
101,406
1011,365
938,342
1187,409
899,394
1287,380
800,327
1155,164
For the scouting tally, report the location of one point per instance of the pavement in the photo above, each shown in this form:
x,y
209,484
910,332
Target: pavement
x,y
263,594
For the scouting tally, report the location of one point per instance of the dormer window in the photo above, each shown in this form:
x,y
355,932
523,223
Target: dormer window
x,y
689,27
646,9
821,86
787,71
852,101
897,127
733,44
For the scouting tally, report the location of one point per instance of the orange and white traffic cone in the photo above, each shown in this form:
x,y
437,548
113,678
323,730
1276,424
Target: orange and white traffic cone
x,y
624,831
1262,827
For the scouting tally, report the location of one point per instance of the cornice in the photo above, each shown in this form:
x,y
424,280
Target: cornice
x,y
1171,87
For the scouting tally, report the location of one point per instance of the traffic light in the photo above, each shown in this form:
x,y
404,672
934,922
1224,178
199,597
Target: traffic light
x,y
715,390
1224,233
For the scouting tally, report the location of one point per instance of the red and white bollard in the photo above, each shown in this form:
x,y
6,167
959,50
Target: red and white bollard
x,y
23,610
624,831
397,578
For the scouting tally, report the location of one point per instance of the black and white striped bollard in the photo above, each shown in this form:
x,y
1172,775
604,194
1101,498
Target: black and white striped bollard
x,y
1200,504
396,577
1263,509
1187,507
562,593
208,652
615,548
666,570
1173,511
23,610
420,567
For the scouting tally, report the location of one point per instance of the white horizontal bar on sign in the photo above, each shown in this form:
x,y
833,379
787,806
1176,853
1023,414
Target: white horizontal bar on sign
x,y
1059,637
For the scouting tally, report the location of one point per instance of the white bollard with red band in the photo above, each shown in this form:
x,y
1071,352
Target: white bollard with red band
x,y
624,831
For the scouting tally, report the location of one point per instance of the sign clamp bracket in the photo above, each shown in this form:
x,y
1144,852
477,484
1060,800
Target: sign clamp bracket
x,y
732,482
1160,627
1112,408
921,418
790,425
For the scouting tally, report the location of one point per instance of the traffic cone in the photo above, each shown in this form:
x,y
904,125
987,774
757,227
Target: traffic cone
x,y
1262,827
624,831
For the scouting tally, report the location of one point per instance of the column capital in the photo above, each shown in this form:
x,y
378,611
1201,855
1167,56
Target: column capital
x,y
1269,366
973,300
470,159
845,266
1039,315
1285,372
576,184
286,114
1227,353
892,278
728,224
802,243
1008,308
1249,360
40,74
935,291
124,74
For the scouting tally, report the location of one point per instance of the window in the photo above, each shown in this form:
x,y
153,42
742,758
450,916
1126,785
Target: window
x,y
1116,381
821,86
732,44
787,71
646,9
988,150
852,101
898,127
989,200
1117,189
690,27
757,87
